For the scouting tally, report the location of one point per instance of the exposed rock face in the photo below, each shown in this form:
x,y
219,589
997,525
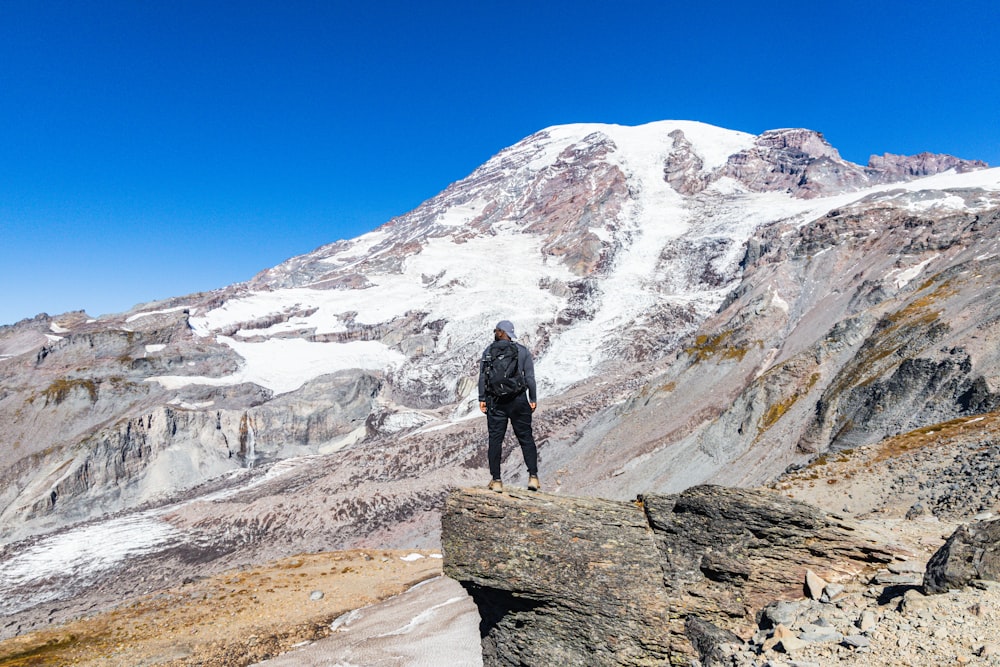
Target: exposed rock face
x,y
606,604
804,164
88,435
798,161
584,581
972,552
893,168
684,169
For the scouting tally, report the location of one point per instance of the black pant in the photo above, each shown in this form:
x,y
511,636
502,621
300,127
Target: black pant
x,y
518,412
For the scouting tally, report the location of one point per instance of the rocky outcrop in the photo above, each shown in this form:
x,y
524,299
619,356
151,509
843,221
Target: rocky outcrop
x,y
563,580
802,163
894,168
683,169
972,552
171,449
603,603
798,161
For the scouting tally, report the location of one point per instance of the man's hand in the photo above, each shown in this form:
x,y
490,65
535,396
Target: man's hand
x,y
533,406
482,407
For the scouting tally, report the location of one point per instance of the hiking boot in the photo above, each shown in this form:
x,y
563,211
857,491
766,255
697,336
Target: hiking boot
x,y
533,483
496,485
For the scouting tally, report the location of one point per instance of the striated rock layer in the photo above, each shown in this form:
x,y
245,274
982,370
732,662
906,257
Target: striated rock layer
x,y
565,580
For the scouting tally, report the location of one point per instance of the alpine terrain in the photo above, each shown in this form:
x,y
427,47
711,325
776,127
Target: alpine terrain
x,y
704,306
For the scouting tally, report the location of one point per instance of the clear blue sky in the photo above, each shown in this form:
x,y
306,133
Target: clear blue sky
x,y
155,148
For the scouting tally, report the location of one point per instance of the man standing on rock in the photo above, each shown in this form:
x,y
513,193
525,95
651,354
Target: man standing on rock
x,y
507,393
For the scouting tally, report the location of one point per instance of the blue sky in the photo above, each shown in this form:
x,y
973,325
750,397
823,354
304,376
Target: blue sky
x,y
151,149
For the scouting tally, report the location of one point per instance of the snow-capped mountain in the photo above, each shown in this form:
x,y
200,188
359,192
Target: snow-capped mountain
x,y
702,304
583,208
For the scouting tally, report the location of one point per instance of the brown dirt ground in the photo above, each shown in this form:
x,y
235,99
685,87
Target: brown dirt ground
x,y
229,620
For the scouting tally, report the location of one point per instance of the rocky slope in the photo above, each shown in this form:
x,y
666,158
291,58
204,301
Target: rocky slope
x,y
704,306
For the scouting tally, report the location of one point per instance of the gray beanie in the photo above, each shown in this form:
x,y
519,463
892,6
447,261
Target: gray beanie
x,y
507,327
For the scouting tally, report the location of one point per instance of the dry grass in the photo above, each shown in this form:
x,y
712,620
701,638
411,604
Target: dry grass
x,y
228,620
937,435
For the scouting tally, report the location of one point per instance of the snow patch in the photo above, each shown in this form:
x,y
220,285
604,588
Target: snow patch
x,y
194,406
345,619
421,618
284,365
400,421
80,553
944,201
462,214
409,558
777,301
133,318
904,277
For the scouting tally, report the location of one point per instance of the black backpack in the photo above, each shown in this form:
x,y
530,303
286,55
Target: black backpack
x,y
503,377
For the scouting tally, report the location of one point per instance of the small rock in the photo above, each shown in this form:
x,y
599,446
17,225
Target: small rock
x,y
790,645
831,592
316,595
886,578
780,633
814,585
712,643
907,567
988,650
867,621
859,641
913,601
821,636
779,613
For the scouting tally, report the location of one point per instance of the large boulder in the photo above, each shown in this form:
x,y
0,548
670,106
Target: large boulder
x,y
557,580
972,552
563,580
